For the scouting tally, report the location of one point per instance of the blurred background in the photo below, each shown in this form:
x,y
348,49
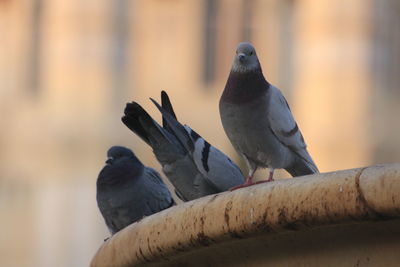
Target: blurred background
x,y
67,69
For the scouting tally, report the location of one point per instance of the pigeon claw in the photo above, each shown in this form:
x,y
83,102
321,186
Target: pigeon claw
x,y
246,184
265,181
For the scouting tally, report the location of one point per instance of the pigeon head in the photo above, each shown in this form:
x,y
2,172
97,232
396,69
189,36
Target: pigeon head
x,y
245,59
121,166
118,152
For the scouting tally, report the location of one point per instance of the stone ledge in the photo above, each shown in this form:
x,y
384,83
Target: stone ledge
x,y
349,197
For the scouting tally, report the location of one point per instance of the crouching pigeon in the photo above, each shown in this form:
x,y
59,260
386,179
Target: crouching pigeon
x,y
127,190
257,120
193,166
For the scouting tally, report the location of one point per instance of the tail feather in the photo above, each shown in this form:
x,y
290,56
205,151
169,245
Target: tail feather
x,y
177,129
301,167
132,112
167,106
142,124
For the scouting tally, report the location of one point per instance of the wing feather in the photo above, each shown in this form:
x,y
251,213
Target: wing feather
x,y
284,126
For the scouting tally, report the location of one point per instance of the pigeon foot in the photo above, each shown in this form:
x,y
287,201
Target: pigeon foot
x,y
264,181
246,184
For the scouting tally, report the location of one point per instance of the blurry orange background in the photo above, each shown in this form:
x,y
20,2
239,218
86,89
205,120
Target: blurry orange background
x,y
67,69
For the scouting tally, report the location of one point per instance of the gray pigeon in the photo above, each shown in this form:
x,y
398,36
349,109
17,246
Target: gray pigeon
x,y
127,190
193,166
257,120
217,168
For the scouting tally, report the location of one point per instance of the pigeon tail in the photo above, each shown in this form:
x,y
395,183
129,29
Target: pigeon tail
x,y
167,106
301,167
141,123
177,129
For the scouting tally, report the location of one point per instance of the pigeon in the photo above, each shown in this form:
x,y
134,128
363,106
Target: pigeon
x,y
127,190
193,166
258,121
218,169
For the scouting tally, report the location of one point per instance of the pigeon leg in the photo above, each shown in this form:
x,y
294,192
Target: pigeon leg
x,y
249,180
271,174
270,177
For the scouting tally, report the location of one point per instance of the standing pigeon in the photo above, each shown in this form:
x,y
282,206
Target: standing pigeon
x,y
258,121
127,190
193,166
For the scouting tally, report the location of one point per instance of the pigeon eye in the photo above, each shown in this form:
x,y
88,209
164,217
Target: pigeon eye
x,y
251,53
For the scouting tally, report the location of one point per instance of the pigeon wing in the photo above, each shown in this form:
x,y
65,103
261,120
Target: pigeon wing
x,y
284,126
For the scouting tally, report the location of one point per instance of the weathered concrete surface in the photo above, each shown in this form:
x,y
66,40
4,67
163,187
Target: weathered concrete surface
x,y
343,218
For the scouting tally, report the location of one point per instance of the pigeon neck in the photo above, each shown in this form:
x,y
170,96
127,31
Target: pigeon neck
x,y
111,183
243,87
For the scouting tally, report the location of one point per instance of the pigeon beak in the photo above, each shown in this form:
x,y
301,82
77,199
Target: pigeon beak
x,y
241,57
109,160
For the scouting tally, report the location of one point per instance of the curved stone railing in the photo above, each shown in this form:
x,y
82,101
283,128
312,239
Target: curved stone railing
x,y
328,219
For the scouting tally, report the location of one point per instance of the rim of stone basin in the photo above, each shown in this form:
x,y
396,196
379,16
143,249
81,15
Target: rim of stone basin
x,y
340,197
